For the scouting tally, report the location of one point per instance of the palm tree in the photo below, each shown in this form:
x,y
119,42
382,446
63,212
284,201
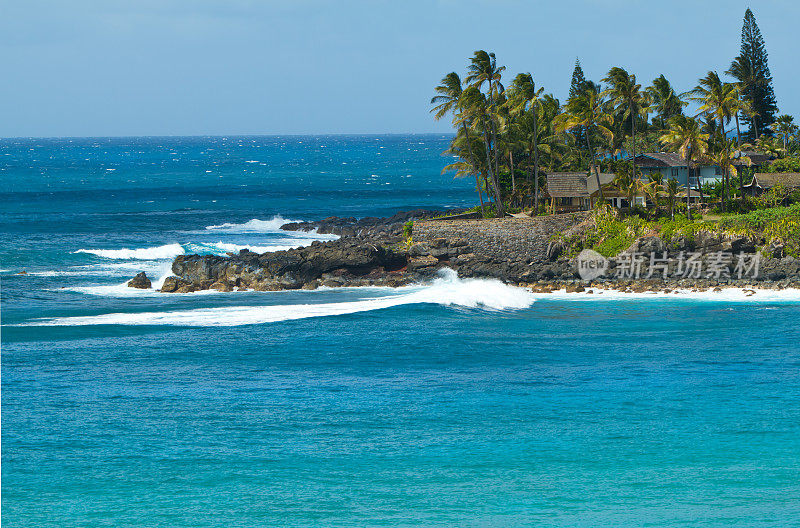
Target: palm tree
x,y
672,189
685,136
725,154
626,94
625,183
476,108
525,100
784,126
718,100
653,189
748,81
483,69
448,101
664,100
587,110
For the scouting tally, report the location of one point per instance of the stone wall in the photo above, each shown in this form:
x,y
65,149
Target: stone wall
x,y
500,238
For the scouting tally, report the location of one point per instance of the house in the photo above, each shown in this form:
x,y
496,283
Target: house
x,y
757,159
672,165
764,181
611,194
577,191
568,191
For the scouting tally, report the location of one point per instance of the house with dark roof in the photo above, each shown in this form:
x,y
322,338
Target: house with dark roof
x,y
764,181
672,165
567,191
757,159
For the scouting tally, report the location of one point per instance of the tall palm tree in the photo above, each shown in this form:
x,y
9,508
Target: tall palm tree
x,y
475,107
525,100
483,69
627,95
588,111
685,136
672,188
725,154
664,100
718,100
748,81
784,126
448,101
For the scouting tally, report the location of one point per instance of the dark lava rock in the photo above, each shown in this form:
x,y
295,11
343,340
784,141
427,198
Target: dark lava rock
x,y
140,281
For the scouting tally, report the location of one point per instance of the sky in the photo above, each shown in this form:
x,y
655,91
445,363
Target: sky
x,y
224,67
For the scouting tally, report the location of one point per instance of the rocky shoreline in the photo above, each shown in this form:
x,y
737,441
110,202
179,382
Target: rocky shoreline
x,y
524,252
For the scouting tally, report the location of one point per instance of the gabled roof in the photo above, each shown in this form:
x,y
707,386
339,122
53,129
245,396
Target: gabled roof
x,y
660,159
757,158
567,185
605,179
768,180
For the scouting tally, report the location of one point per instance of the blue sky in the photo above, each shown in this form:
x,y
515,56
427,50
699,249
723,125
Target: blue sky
x,y
192,67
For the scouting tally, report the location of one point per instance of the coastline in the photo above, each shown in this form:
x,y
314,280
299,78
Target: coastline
x,y
524,252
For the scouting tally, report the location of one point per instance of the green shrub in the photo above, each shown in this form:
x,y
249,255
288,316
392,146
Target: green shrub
x,y
783,165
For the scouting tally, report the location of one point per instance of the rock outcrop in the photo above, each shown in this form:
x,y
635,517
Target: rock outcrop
x,y
524,251
140,281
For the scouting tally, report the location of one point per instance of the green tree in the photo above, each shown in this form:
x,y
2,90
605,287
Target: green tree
x,y
628,97
784,127
664,100
525,102
751,69
718,100
587,110
685,136
483,69
447,101
672,188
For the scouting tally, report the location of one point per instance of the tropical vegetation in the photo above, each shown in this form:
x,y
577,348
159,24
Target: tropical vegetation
x,y
510,132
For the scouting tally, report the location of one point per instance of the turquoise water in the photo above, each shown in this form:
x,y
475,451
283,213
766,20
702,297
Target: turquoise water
x,y
460,403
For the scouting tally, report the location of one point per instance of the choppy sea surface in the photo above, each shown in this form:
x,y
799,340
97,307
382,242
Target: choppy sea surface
x,y
456,403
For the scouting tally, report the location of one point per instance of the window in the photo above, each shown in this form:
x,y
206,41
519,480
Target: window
x,y
674,173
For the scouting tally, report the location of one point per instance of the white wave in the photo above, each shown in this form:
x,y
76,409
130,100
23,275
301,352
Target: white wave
x,y
170,251
255,225
447,290
788,295
167,251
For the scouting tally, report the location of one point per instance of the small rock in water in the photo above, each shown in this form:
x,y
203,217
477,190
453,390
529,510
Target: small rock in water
x,y
140,281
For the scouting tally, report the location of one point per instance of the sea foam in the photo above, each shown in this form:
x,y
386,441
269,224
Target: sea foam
x,y
446,290
252,226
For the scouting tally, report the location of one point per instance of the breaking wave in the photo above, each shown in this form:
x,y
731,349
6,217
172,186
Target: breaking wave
x,y
447,290
170,251
252,226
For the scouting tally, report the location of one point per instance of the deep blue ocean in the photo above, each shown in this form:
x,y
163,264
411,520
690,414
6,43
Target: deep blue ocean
x,y
456,403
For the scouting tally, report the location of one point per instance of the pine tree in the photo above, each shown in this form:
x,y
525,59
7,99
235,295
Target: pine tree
x,y
578,80
577,86
750,68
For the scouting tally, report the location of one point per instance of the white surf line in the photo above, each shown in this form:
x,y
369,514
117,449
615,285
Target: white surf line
x,y
448,290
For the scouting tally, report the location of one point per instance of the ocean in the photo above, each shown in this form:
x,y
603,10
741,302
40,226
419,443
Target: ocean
x,y
456,403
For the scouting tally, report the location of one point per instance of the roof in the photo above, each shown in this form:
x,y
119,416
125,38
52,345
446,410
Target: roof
x,y
567,185
605,179
768,180
757,158
660,159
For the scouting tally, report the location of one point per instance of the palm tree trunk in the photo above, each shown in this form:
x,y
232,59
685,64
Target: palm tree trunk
x,y
471,155
724,194
633,149
498,201
480,194
511,165
535,161
688,185
738,132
